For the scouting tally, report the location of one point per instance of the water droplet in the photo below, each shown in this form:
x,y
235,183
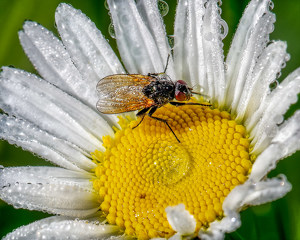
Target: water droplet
x,y
220,11
171,40
111,30
287,57
278,75
271,28
224,29
163,7
278,119
106,5
172,163
271,5
126,22
273,85
225,67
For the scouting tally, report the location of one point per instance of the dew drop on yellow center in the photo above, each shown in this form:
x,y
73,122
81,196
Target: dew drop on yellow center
x,y
144,170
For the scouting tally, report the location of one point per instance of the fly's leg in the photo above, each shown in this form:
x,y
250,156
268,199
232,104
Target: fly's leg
x,y
142,114
152,110
177,104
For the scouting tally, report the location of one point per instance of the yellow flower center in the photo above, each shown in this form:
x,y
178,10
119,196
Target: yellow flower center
x,y
145,169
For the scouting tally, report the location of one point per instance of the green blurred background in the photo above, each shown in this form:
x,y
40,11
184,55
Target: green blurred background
x,y
276,220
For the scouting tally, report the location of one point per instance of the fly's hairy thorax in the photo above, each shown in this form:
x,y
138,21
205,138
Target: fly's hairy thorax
x,y
161,91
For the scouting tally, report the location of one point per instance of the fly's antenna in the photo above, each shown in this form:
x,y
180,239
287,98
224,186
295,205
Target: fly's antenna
x,y
200,94
167,63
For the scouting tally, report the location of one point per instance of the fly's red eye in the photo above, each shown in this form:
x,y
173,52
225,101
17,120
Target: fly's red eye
x,y
182,82
180,96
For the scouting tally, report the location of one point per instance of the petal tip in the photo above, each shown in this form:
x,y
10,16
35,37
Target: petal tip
x,y
180,219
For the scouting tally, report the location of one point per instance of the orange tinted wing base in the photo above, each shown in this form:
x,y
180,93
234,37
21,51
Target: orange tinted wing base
x,y
123,93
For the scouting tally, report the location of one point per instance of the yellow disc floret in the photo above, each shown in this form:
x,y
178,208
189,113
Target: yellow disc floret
x,y
145,169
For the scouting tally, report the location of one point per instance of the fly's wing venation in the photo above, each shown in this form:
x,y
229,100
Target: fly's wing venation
x,y
123,93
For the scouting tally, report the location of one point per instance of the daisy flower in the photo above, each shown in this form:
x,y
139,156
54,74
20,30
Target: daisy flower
x,y
112,180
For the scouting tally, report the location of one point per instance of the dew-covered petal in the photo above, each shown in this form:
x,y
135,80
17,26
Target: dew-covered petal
x,y
51,189
244,195
89,50
285,142
181,220
214,30
217,229
189,64
265,120
152,18
256,87
136,45
47,146
249,41
50,58
256,193
26,96
58,227
198,53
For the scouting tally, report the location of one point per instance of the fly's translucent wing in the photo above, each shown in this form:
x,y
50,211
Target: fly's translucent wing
x,y
123,93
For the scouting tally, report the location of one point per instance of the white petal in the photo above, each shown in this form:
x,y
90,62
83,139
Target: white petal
x,y
257,193
51,59
135,42
50,189
213,51
89,50
181,220
287,87
189,63
243,195
272,110
250,39
57,228
28,97
285,142
152,18
32,138
198,50
256,87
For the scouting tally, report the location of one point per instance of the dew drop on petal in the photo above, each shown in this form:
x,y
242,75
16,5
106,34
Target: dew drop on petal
x,y
111,31
171,40
271,5
224,29
106,5
163,7
287,57
278,75
273,85
278,119
225,66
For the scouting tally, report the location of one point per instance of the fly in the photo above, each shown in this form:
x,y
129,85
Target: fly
x,y
121,93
